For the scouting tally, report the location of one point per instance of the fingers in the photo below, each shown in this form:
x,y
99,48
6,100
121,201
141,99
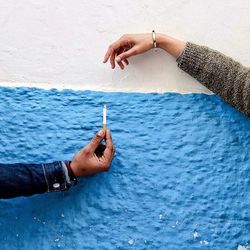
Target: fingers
x,y
111,50
108,53
120,51
121,65
125,55
109,150
112,60
126,61
95,142
115,49
121,58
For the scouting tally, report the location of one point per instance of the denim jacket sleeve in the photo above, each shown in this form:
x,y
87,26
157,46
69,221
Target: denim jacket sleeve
x,y
27,179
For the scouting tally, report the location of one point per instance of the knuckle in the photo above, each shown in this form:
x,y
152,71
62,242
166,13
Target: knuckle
x,y
87,151
111,48
98,137
125,38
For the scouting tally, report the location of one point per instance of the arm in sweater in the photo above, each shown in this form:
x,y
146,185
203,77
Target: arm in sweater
x,y
219,73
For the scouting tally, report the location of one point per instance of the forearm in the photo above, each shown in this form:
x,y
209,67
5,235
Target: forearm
x,y
219,73
28,179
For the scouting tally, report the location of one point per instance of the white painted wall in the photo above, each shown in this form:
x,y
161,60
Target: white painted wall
x,y
61,43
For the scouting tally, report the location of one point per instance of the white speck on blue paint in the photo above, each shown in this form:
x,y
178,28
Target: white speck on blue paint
x,y
195,234
204,242
240,247
161,216
131,241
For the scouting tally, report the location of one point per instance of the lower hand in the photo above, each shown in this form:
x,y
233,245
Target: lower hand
x,y
94,157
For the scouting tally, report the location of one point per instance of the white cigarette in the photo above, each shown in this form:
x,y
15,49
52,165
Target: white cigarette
x,y
104,117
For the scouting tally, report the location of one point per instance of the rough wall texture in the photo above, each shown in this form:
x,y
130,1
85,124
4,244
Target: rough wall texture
x,y
62,42
180,178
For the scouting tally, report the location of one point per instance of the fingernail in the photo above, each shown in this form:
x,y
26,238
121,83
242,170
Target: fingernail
x,y
118,59
101,132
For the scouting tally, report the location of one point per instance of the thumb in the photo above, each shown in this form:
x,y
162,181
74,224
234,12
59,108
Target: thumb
x,y
127,54
95,142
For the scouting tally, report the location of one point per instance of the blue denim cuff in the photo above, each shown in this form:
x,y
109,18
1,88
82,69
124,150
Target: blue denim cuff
x,y
56,176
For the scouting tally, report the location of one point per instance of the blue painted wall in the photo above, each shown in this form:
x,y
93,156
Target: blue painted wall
x,y
180,178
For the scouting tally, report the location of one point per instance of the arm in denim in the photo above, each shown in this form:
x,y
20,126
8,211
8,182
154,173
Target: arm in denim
x,y
28,179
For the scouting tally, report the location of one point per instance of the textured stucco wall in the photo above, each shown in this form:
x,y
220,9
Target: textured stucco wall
x,y
180,178
62,42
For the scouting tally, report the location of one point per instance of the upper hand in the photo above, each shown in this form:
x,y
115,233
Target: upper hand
x,y
95,157
128,45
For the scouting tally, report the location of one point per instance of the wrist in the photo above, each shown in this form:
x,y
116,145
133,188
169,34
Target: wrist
x,y
73,170
171,45
162,41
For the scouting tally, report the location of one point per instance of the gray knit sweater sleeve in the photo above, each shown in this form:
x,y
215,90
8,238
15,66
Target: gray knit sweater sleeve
x,y
219,73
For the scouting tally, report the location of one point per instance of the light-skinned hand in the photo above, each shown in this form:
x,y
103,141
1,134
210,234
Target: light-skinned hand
x,y
126,46
133,44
